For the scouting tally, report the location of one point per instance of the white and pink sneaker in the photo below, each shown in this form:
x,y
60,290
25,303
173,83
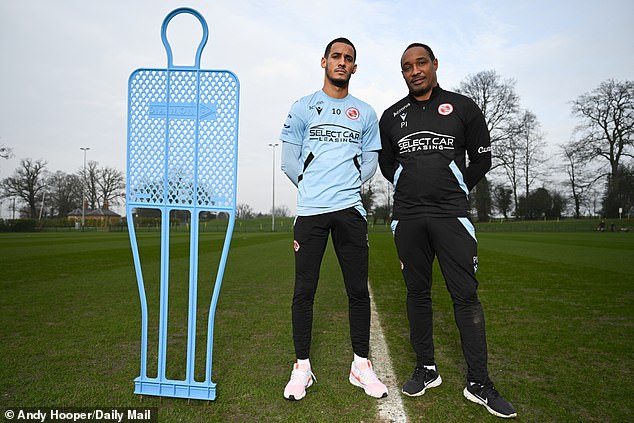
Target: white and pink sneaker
x,y
364,377
301,378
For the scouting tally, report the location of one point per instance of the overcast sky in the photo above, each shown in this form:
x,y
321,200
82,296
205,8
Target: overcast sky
x,y
65,65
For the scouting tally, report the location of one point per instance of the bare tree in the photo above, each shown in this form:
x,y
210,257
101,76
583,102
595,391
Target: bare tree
x,y
580,179
111,184
502,200
512,165
101,186
383,191
90,177
367,195
619,195
607,131
65,193
481,200
522,153
499,103
531,148
244,211
27,183
282,211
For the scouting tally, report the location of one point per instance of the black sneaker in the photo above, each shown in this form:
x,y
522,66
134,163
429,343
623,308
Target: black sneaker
x,y
488,396
422,378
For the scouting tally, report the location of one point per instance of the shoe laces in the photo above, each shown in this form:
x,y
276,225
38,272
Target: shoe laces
x,y
368,374
488,391
420,373
299,376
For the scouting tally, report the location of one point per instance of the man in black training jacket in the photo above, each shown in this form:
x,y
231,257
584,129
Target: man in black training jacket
x,y
426,138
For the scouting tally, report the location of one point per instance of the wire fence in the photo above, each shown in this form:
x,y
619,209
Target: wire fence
x,y
285,224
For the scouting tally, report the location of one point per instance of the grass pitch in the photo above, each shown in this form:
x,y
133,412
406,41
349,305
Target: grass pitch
x,y
560,323
559,309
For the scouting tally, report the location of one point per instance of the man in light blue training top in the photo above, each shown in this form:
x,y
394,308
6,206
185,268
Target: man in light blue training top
x,y
330,144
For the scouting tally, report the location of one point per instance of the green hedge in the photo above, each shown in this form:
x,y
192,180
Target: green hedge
x,y
18,225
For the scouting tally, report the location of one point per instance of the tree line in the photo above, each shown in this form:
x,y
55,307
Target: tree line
x,y
41,193
591,174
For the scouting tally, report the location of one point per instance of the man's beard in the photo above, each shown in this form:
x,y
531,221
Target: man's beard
x,y
419,92
340,83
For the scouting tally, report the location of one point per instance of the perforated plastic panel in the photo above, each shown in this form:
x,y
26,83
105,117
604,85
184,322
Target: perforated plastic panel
x,y
182,155
183,139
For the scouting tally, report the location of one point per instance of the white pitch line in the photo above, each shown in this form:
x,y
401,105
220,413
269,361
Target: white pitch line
x,y
391,408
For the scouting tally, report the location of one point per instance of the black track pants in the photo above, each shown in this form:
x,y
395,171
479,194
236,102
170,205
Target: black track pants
x,y
453,241
350,238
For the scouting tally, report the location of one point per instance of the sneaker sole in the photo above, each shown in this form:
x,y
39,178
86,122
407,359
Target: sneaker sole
x,y
355,382
433,384
468,395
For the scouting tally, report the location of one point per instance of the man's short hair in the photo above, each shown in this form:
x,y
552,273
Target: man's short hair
x,y
340,40
425,46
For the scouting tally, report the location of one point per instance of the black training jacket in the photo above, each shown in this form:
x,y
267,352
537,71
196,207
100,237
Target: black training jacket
x,y
424,153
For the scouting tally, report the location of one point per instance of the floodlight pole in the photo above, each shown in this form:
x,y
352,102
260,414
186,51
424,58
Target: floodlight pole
x,y
273,209
42,207
83,191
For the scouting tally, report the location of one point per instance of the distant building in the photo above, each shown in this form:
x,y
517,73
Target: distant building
x,y
97,217
74,215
